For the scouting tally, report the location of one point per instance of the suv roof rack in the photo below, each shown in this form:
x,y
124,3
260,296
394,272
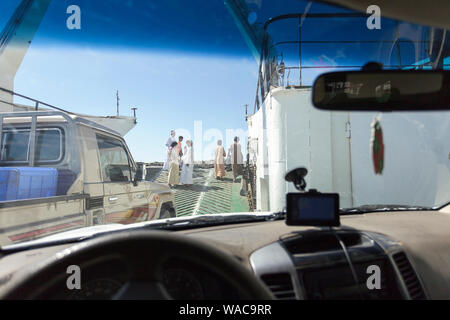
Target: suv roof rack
x,y
36,102
70,117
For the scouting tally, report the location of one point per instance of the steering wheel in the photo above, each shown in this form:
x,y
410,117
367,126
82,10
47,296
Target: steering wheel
x,y
145,253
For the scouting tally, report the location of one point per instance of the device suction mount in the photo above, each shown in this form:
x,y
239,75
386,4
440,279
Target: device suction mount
x,y
297,177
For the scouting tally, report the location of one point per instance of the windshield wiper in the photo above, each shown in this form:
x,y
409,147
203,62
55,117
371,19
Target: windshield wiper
x,y
163,224
212,220
382,208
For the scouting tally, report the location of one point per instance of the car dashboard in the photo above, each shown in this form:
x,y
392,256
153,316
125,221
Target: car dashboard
x,y
334,265
182,279
409,250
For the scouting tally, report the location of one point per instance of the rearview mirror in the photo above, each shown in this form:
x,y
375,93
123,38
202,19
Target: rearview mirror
x,y
383,90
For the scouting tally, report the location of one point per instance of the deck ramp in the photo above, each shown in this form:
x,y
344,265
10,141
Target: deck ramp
x,y
207,195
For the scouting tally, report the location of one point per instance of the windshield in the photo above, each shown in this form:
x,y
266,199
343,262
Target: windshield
x,y
173,108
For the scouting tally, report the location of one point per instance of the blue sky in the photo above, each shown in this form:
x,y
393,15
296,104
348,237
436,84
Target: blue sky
x,y
170,90
179,63
176,61
175,73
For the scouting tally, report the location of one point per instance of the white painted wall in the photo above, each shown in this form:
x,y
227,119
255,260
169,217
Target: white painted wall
x,y
417,163
299,135
289,133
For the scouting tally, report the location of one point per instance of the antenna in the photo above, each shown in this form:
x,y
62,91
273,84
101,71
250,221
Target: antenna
x,y
134,114
117,99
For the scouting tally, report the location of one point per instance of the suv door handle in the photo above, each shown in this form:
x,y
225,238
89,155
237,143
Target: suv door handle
x,y
113,199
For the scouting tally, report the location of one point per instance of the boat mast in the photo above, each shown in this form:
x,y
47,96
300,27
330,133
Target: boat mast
x,y
117,101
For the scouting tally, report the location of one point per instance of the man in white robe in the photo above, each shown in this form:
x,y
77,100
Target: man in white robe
x,y
168,144
174,166
188,164
236,158
219,161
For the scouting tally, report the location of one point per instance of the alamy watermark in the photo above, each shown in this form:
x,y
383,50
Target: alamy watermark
x,y
73,281
374,21
205,140
73,22
373,281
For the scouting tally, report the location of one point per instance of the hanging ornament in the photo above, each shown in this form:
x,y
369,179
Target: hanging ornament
x,y
377,146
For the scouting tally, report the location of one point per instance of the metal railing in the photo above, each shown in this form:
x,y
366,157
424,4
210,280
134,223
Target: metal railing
x,y
35,101
274,73
70,117
33,128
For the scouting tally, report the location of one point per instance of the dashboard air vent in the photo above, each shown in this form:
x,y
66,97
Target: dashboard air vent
x,y
280,284
409,277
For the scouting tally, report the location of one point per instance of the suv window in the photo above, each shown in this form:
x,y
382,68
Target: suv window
x,y
16,145
114,160
48,145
